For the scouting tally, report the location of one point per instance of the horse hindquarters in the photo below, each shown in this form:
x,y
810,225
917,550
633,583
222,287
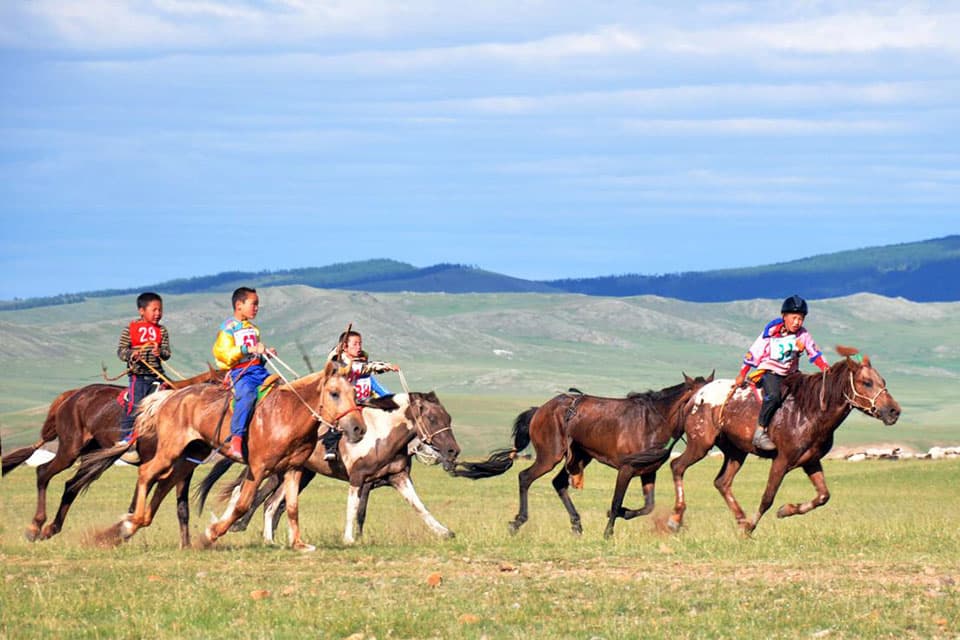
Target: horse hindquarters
x,y
701,432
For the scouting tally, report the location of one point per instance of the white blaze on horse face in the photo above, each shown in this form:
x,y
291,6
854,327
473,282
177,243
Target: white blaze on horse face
x,y
380,424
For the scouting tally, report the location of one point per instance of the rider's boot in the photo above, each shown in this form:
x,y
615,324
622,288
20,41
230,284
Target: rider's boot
x,y
762,441
236,448
331,440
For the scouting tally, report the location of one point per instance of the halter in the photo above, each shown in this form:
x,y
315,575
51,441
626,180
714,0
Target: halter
x,y
872,410
425,436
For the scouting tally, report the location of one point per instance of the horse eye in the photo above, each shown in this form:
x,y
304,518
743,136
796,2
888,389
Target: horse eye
x,y
335,395
868,384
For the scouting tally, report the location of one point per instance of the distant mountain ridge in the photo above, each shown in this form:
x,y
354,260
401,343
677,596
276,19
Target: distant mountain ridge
x,y
925,271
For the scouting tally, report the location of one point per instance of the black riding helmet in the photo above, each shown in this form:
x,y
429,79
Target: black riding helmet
x,y
794,304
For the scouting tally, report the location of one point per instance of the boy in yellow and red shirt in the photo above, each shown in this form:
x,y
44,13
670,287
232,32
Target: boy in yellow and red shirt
x,y
238,349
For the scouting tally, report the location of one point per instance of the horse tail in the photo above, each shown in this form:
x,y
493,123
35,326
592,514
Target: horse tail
x,y
18,456
502,459
203,490
48,433
650,457
94,464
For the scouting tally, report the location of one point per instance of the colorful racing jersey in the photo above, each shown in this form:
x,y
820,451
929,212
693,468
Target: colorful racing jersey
x,y
234,343
779,352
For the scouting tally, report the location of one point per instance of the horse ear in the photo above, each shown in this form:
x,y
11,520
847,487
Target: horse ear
x,y
331,369
846,352
866,360
687,380
712,374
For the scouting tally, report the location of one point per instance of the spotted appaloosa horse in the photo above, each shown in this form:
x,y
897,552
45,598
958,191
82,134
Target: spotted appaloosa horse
x,y
631,434
82,421
281,436
815,406
396,425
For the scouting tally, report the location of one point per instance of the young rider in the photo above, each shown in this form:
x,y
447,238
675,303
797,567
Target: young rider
x,y
349,353
144,343
238,348
775,354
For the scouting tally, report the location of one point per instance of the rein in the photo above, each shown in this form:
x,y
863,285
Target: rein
x,y
315,413
872,409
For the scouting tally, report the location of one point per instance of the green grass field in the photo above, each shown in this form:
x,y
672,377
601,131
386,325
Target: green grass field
x,y
880,560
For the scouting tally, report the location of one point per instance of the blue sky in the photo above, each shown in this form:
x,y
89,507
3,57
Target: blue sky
x,y
153,139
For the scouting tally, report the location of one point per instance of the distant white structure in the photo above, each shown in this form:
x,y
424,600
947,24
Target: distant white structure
x,y
503,353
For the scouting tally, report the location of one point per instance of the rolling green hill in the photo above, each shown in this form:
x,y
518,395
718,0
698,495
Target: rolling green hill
x,y
489,356
927,271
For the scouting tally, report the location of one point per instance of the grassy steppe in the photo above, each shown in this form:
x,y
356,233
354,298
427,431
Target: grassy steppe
x,y
880,560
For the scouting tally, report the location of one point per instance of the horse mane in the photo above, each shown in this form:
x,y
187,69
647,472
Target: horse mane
x,y
805,388
383,403
657,396
146,422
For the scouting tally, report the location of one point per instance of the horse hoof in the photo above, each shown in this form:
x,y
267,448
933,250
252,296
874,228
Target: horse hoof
x,y
673,526
47,533
32,533
513,527
126,529
304,547
449,535
576,530
607,534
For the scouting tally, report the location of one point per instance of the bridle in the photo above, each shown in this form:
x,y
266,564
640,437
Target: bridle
x,y
423,434
872,410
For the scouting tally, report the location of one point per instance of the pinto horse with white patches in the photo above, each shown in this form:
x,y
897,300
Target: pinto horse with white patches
x,y
281,436
802,429
397,425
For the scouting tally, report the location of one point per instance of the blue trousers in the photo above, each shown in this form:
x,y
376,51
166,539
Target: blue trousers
x,y
245,383
140,387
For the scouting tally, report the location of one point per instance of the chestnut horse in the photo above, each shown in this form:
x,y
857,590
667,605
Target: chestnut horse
x,y
281,436
634,435
81,421
814,407
397,427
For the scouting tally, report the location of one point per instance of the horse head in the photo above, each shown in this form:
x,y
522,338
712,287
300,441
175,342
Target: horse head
x,y
435,427
338,405
868,390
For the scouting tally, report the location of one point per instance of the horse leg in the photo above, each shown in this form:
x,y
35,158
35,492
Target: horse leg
x,y
526,478
624,476
362,507
45,473
146,478
238,507
561,484
183,507
732,463
291,490
402,483
266,492
649,482
66,501
353,506
280,506
272,511
814,471
694,452
778,469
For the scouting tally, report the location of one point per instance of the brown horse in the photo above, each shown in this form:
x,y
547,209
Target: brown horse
x,y
633,435
81,421
815,406
397,427
281,436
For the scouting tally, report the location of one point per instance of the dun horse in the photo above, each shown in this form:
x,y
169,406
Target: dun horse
x,y
815,406
632,435
397,426
82,421
281,436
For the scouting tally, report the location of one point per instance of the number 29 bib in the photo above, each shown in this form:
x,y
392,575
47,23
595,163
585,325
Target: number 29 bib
x,y
143,333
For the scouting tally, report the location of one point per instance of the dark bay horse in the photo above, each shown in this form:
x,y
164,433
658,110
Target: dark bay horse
x,y
634,435
281,436
815,406
397,427
81,420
